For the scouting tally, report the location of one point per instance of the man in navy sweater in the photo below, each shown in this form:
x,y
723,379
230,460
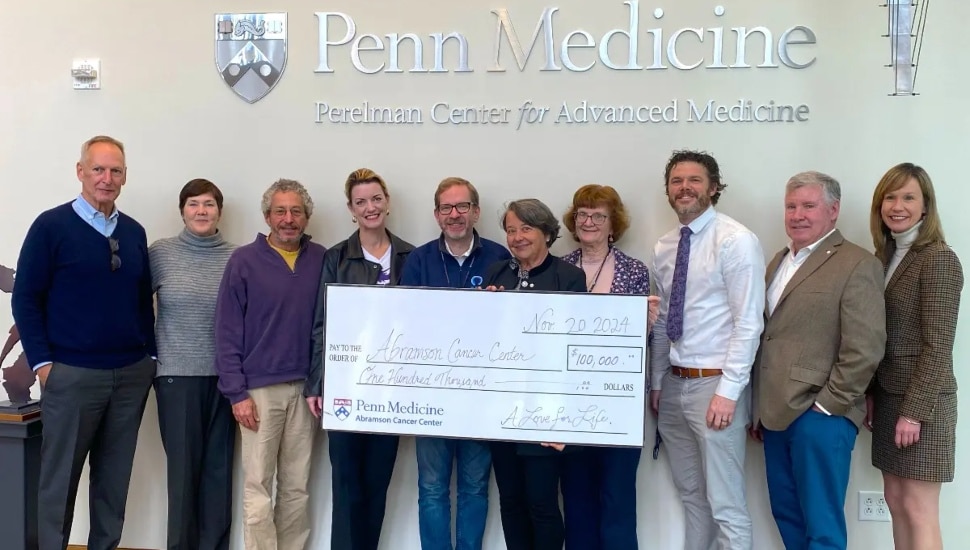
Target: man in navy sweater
x,y
264,316
83,304
458,258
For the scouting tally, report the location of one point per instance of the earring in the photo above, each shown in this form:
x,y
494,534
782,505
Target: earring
x,y
611,237
353,219
388,212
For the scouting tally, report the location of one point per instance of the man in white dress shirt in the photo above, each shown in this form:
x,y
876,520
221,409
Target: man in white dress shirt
x,y
710,275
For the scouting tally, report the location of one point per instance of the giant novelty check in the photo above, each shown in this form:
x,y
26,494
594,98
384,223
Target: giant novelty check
x,y
518,366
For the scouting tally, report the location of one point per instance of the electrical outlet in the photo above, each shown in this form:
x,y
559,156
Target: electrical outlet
x,y
873,507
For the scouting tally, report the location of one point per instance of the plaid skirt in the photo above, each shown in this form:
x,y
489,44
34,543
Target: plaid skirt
x,y
932,457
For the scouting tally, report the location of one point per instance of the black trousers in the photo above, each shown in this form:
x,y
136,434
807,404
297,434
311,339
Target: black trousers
x,y
362,466
542,474
96,412
198,433
513,504
528,488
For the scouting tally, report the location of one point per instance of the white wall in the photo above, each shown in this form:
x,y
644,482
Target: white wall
x,y
162,97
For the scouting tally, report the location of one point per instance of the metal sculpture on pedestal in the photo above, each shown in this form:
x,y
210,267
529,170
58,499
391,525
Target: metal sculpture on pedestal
x,y
18,377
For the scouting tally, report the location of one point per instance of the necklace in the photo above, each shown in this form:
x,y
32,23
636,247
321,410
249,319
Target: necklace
x,y
592,260
596,277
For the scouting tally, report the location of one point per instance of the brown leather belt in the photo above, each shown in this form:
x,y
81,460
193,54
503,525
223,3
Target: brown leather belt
x,y
687,372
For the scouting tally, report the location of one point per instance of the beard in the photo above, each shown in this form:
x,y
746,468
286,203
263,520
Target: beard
x,y
700,204
457,232
293,239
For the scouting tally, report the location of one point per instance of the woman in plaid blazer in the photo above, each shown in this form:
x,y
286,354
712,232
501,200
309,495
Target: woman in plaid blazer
x,y
912,404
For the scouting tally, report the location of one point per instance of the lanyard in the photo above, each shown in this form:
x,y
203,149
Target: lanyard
x,y
460,268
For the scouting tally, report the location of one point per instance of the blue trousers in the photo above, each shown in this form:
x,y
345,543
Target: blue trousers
x,y
600,498
808,475
436,457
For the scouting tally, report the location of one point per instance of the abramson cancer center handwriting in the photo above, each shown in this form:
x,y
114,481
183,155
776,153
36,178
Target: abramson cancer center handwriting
x,y
525,367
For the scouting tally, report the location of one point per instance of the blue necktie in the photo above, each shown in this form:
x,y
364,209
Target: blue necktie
x,y
675,313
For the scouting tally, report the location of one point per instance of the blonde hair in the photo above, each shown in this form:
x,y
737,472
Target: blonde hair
x,y
932,228
363,175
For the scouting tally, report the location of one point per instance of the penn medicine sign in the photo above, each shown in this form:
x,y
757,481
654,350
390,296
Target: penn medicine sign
x,y
578,51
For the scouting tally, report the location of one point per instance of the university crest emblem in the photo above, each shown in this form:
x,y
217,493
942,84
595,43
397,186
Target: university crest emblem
x,y
342,408
251,52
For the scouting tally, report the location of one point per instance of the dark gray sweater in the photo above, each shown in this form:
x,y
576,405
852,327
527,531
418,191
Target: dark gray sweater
x,y
186,271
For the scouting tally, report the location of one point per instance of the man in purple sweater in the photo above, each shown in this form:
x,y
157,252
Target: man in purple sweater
x,y
264,315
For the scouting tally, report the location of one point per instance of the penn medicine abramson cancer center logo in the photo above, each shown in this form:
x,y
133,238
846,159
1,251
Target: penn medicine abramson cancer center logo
x,y
251,52
342,408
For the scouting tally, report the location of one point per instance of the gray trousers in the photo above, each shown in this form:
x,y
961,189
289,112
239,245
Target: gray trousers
x,y
707,465
96,412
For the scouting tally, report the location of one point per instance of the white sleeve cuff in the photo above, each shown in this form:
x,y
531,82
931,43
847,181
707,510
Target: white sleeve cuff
x,y
729,389
823,409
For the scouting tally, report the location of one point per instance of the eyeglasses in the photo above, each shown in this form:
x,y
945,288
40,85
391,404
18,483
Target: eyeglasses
x,y
597,218
462,208
115,258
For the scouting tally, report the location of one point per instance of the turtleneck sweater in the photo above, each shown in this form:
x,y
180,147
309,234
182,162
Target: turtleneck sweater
x,y
904,241
186,272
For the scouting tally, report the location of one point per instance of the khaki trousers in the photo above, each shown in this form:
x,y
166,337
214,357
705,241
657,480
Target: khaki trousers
x,y
281,446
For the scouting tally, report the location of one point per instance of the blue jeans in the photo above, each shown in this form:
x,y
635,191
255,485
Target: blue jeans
x,y
808,474
435,459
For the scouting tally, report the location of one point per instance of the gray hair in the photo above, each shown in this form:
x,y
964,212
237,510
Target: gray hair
x,y
101,139
287,186
535,213
830,186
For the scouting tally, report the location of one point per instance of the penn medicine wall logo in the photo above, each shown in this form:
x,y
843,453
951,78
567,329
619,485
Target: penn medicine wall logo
x,y
251,52
342,408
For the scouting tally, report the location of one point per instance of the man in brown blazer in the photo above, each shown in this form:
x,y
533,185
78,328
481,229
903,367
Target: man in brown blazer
x,y
825,333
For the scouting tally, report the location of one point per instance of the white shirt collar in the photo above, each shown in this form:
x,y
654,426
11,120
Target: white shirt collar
x,y
806,251
463,255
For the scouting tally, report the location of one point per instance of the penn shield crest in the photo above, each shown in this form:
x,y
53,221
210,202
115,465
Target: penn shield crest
x,y
342,408
251,52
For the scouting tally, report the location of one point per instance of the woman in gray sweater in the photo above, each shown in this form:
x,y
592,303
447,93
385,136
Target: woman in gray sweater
x,y
196,422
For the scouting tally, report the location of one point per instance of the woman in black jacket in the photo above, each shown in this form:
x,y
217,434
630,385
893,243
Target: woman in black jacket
x,y
528,474
362,464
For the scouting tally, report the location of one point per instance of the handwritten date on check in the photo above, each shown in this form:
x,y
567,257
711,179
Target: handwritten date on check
x,y
514,366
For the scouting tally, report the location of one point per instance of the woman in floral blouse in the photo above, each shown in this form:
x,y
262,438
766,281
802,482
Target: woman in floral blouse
x,y
605,491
